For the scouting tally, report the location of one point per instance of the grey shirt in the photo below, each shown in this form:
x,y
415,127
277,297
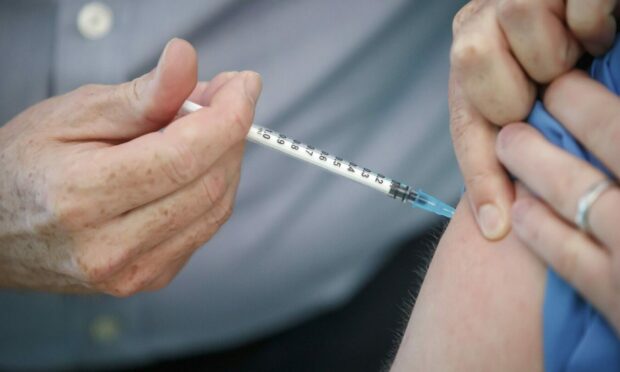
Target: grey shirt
x,y
363,79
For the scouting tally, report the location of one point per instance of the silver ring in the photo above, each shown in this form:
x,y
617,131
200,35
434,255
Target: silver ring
x,y
587,200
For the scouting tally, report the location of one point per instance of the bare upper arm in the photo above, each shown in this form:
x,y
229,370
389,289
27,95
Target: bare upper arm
x,y
480,307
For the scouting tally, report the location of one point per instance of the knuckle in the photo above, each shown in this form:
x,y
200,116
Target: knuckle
x,y
181,166
469,52
133,92
96,272
514,10
65,201
239,120
213,187
68,213
126,288
220,213
98,267
130,96
197,239
225,214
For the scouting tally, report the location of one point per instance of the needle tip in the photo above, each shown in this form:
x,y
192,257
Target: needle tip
x,y
430,203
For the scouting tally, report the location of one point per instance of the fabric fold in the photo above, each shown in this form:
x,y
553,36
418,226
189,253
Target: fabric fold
x,y
576,336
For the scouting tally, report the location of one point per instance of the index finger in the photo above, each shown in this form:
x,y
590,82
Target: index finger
x,y
126,176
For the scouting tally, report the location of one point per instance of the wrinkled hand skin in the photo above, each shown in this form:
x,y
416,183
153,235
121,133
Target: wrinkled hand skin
x,y
30,223
96,197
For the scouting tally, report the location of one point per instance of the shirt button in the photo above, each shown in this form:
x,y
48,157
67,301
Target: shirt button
x,y
94,20
105,329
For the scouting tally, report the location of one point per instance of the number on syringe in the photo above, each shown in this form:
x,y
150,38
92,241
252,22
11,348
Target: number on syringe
x,y
323,156
352,167
281,139
338,162
295,145
310,150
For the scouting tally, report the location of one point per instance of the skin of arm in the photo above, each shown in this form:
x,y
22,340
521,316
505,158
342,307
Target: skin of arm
x,y
480,307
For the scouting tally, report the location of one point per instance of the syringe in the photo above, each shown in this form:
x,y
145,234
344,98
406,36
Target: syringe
x,y
335,164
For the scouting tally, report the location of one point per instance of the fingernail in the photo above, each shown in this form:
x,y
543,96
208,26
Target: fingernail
x,y
150,79
154,74
491,221
252,85
163,53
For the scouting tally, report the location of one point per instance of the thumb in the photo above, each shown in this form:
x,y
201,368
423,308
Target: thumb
x,y
489,189
152,100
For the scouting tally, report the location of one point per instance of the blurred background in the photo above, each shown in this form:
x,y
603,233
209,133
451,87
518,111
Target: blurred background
x,y
312,271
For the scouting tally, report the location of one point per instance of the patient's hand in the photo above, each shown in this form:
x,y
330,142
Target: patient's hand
x,y
589,262
480,307
501,50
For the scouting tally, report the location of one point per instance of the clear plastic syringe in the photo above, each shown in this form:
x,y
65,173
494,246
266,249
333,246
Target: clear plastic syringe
x,y
334,164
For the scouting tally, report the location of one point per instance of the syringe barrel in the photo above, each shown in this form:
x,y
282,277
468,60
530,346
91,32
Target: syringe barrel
x,y
320,158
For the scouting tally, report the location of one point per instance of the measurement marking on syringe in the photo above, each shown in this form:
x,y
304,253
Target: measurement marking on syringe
x,y
323,156
323,159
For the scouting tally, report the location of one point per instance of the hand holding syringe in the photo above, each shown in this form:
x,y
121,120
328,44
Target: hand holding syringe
x,y
334,164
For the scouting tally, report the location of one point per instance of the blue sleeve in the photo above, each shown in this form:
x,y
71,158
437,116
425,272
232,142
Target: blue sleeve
x,y
576,336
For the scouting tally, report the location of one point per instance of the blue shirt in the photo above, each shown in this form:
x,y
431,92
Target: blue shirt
x,y
576,336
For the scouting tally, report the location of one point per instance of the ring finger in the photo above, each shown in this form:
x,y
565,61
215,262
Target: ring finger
x,y
573,255
559,178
